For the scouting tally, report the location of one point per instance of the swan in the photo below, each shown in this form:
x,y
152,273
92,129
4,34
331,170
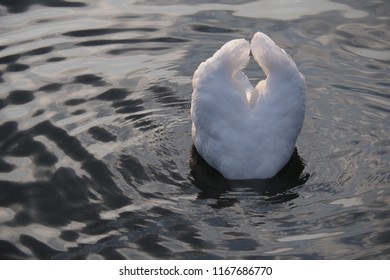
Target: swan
x,y
247,132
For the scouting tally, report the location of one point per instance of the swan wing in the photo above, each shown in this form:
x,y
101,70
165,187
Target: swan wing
x,y
280,108
219,105
219,88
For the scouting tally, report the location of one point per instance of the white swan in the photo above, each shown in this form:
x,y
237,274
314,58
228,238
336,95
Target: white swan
x,y
242,131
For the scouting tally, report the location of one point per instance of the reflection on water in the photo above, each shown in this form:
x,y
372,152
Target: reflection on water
x,y
278,189
96,156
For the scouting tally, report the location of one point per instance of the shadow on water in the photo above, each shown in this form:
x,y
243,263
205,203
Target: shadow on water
x,y
277,189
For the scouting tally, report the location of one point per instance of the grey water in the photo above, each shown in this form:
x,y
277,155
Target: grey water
x,y
96,156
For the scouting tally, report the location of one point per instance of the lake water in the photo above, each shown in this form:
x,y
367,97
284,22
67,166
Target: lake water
x,y
96,156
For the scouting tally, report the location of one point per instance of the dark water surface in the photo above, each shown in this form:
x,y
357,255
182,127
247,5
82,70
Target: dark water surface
x,y
96,157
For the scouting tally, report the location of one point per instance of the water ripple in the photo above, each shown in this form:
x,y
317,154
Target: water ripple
x,y
96,155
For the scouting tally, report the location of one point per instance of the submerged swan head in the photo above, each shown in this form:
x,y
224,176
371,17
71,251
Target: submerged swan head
x,y
242,131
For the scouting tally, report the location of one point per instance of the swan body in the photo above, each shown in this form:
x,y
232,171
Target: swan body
x,y
242,131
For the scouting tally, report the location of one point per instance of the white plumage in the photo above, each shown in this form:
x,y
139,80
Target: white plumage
x,y
242,131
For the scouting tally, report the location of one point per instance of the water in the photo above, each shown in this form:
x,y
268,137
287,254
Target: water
x,y
96,157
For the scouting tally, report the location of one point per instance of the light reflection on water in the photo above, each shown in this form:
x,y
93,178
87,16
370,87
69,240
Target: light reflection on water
x,y
96,157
